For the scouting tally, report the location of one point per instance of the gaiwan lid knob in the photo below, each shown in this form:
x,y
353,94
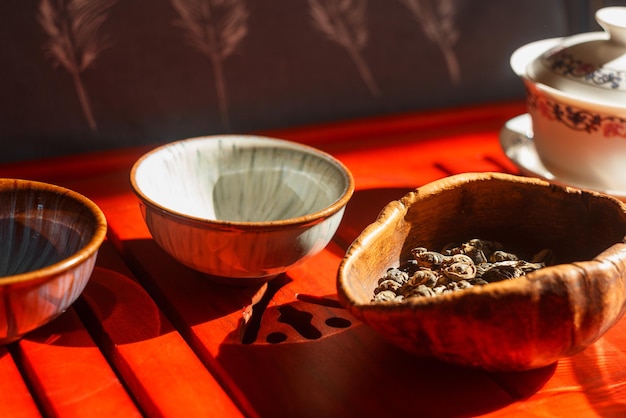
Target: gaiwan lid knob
x,y
588,65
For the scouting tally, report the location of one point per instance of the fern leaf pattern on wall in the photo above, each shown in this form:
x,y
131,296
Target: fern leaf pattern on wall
x,y
436,18
215,28
344,22
75,38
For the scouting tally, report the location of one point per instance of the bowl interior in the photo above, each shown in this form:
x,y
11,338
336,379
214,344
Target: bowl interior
x,y
525,215
39,228
240,179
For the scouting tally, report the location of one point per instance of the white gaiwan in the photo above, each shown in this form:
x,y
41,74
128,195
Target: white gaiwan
x,y
576,97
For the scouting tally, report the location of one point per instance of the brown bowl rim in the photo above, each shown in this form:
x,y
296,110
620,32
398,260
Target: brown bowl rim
x,y
75,259
308,219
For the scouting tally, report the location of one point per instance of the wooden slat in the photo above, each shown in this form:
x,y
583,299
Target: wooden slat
x,y
591,383
69,373
64,169
164,375
15,397
421,124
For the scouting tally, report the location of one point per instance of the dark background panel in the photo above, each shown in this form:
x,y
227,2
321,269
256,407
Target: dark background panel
x,y
151,86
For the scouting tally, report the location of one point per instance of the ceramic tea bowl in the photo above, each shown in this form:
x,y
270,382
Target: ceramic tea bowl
x,y
514,324
49,241
241,208
576,97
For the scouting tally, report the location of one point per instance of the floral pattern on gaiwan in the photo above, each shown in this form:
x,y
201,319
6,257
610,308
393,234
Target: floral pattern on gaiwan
x,y
567,65
576,119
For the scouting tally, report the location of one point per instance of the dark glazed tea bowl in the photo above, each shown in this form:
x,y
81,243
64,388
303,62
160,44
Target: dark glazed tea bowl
x,y
49,241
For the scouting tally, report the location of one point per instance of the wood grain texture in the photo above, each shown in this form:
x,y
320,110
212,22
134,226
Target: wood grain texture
x,y
520,324
165,376
20,400
69,374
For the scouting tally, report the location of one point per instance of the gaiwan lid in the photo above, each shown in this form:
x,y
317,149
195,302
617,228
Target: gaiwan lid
x,y
589,65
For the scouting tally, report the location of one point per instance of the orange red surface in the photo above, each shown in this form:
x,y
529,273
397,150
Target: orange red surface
x,y
152,337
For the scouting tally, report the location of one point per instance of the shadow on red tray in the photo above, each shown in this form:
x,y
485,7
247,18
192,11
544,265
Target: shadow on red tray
x,y
311,355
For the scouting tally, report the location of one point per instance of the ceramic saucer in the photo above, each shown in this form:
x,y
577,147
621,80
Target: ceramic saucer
x,y
516,140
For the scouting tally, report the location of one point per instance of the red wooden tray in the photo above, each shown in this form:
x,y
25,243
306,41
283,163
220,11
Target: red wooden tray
x,y
152,337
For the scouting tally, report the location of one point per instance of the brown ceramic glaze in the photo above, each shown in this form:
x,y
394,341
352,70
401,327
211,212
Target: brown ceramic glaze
x,y
49,240
519,324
